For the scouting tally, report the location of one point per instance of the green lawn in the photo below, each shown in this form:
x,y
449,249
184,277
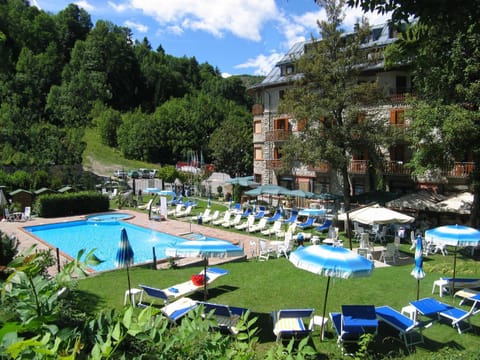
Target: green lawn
x,y
275,284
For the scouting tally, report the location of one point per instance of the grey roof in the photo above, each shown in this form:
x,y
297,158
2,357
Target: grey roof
x,y
379,38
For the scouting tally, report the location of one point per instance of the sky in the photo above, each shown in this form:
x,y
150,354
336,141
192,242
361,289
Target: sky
x,y
236,36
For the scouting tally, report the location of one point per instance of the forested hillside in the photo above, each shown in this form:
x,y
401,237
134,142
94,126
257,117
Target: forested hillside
x,y
59,74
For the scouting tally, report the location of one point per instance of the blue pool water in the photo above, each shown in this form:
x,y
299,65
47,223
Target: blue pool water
x,y
104,236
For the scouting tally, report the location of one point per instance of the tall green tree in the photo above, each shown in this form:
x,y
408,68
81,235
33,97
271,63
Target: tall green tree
x,y
230,144
443,48
331,104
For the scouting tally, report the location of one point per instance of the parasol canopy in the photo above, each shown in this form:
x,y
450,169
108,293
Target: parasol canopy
x,y
124,256
453,235
331,261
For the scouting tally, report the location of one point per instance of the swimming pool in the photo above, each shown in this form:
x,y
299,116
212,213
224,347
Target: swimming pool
x,y
104,236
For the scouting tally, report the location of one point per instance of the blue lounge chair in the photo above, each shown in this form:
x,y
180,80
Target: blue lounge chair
x,y
227,317
307,223
410,331
296,323
259,215
176,310
247,212
179,290
275,217
458,318
293,217
325,226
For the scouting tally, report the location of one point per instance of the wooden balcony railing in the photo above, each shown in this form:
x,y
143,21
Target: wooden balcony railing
x,y
396,168
273,164
358,167
257,109
277,135
461,169
321,167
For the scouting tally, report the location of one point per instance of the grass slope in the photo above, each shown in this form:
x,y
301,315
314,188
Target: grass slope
x,y
104,160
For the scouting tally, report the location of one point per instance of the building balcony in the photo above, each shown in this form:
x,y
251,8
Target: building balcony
x,y
257,109
273,164
321,167
400,97
461,169
358,167
278,135
396,168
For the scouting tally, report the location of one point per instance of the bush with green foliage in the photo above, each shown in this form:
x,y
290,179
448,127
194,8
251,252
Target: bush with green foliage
x,y
34,323
57,205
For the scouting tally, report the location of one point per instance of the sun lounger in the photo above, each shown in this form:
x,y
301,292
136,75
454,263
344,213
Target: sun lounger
x,y
227,317
458,318
296,323
179,290
176,310
445,284
409,331
466,294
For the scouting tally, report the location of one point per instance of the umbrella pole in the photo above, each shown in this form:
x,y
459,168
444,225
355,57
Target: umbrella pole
x,y
418,289
454,270
129,286
325,305
205,264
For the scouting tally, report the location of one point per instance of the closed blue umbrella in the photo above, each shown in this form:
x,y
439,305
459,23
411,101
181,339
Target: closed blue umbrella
x,y
417,271
453,235
204,248
331,261
124,257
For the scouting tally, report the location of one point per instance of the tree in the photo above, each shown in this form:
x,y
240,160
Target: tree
x,y
331,105
230,143
443,49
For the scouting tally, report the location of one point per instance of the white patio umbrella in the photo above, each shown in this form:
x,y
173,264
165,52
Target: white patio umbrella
x,y
124,257
205,248
377,214
453,235
331,261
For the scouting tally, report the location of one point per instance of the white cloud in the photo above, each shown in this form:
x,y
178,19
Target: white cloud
x,y
85,5
118,7
137,26
262,63
242,18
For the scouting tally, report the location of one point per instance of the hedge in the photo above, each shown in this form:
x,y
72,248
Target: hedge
x,y
69,204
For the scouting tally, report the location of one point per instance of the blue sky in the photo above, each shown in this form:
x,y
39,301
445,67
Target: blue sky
x,y
236,36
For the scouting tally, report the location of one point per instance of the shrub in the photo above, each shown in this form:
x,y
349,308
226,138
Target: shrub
x,y
56,205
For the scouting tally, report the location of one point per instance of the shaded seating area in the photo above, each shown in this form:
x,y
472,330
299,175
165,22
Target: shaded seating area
x,y
179,290
292,323
410,331
226,317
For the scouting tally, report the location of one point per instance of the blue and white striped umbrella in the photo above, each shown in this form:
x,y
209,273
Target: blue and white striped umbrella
x,y
124,257
417,271
331,261
453,235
